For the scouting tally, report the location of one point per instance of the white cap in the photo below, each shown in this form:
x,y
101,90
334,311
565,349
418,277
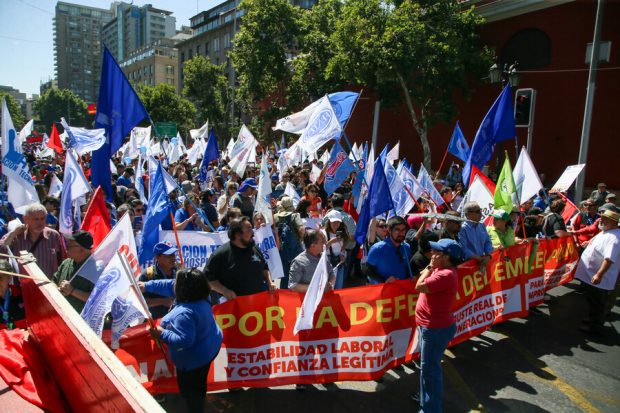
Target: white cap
x,y
334,215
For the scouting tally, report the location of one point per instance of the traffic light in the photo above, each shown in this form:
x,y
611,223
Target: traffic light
x,y
92,109
525,100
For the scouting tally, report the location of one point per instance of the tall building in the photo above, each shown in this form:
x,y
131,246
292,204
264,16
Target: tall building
x,y
134,27
77,48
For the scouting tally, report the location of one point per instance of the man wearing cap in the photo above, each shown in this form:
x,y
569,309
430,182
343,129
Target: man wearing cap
x,y
500,233
126,179
473,236
598,268
599,194
434,316
388,260
611,199
43,242
76,288
243,198
164,269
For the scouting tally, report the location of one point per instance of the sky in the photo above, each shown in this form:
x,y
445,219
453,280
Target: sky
x,y
27,42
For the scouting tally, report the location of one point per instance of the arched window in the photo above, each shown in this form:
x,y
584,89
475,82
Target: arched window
x,y
530,47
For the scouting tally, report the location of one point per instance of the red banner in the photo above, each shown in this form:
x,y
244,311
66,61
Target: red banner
x,y
358,333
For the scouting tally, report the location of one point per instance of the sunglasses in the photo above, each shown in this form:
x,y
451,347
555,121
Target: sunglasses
x,y
382,226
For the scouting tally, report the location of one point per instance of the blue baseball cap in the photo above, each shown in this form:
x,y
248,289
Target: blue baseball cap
x,y
164,248
248,183
448,246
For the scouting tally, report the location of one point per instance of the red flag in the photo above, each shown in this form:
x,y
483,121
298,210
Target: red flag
x,y
569,210
97,220
54,140
487,181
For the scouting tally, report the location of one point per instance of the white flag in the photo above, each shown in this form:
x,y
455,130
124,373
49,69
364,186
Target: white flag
x,y
83,140
525,176
392,155
353,154
313,297
196,151
74,186
404,202
241,153
120,238
202,132
478,192
282,164
263,195
266,243
314,173
113,294
171,184
55,187
26,131
291,192
138,141
298,121
294,154
21,191
325,157
323,126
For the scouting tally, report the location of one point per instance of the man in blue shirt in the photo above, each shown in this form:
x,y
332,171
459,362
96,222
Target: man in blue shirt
x,y
474,237
186,218
126,179
388,260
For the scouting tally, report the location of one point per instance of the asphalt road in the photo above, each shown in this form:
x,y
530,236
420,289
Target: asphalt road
x,y
542,363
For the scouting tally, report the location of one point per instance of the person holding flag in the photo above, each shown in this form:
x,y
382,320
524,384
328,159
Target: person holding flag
x,y
189,330
165,268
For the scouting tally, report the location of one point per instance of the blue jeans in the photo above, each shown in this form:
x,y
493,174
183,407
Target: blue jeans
x,y
433,342
339,277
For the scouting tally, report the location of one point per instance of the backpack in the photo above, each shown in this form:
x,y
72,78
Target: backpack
x,y
290,245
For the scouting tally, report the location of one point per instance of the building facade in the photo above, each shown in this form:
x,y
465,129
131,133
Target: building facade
x,y
154,64
26,103
78,48
134,27
550,41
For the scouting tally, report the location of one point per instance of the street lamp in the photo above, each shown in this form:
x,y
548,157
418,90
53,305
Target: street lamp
x,y
505,75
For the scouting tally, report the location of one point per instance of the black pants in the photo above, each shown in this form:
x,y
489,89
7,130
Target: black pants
x,y
193,387
597,300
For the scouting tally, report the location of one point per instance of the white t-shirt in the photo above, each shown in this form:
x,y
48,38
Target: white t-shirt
x,y
336,246
604,245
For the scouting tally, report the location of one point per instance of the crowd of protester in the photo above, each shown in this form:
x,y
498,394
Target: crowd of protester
x,y
424,250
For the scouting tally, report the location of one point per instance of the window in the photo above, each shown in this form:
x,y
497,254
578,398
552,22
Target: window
x,y
182,57
169,70
170,81
190,54
198,50
216,45
226,41
530,47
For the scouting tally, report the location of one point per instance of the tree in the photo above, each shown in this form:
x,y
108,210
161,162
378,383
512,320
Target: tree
x,y
261,53
17,116
164,105
57,103
421,52
206,87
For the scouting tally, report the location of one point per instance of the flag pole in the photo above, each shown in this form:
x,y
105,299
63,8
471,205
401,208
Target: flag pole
x,y
441,164
134,286
176,237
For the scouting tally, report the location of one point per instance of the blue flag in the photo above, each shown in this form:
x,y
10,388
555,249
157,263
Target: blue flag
x,y
211,154
498,125
339,168
458,144
378,201
343,103
119,110
356,190
158,210
384,153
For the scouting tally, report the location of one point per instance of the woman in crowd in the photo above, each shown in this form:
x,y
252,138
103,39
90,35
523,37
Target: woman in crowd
x,y
224,199
501,233
311,193
190,332
434,318
335,233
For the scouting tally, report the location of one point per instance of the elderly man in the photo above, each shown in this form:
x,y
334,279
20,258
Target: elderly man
x,y
238,267
165,268
43,242
388,260
598,269
304,265
474,237
599,194
77,289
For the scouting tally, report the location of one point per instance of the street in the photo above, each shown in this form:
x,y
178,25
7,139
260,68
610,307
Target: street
x,y
539,364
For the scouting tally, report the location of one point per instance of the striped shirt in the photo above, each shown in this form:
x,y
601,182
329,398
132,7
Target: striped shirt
x,y
49,252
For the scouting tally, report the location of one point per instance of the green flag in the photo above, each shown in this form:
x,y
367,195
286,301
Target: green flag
x,y
506,191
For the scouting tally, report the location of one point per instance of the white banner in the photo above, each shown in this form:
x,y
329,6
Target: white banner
x,y
266,242
196,246
568,177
